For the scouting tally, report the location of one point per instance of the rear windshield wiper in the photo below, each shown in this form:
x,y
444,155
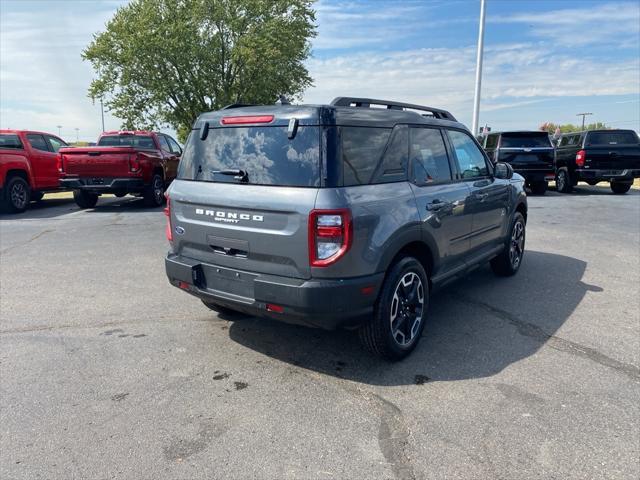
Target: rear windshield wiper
x,y
237,174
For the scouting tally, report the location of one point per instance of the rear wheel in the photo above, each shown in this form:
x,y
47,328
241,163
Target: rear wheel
x,y
85,199
539,188
120,194
508,262
620,188
400,312
563,182
17,195
154,193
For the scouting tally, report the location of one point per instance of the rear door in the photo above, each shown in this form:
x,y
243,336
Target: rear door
x,y
489,199
176,152
440,199
43,161
242,201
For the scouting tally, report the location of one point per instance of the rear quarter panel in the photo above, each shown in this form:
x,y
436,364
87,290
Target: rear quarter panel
x,y
385,218
15,160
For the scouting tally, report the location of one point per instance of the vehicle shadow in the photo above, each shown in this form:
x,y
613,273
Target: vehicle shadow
x,y
56,207
476,327
582,189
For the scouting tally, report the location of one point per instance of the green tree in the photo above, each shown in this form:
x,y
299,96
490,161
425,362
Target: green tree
x,y
569,127
163,62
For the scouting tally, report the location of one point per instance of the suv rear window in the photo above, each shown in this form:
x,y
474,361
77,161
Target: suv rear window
x,y
612,138
10,141
266,154
525,140
138,141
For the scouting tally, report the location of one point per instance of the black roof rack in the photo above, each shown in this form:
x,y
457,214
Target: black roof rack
x,y
367,102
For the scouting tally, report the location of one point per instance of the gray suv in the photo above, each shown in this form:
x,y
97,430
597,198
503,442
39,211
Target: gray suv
x,y
340,215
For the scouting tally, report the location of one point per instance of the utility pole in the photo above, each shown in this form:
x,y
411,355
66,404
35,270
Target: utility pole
x,y
77,130
583,115
59,127
476,96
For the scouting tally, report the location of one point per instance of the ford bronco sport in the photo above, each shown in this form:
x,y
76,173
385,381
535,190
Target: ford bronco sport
x,y
340,215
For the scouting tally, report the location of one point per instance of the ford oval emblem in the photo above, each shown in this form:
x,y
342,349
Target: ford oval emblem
x,y
179,230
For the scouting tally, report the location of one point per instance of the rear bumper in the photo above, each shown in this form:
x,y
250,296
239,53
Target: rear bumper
x,y
626,175
321,303
104,184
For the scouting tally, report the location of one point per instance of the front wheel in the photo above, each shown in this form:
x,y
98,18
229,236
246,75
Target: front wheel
x,y
620,188
563,182
508,262
154,193
85,199
539,188
400,311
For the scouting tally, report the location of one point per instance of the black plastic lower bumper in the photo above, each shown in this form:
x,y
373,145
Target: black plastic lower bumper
x,y
624,176
104,185
322,303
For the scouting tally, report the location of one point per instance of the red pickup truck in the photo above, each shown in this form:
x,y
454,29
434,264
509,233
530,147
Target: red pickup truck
x,y
28,167
123,162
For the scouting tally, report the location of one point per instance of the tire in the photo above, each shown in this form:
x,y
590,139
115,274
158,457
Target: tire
x,y
563,182
120,194
36,196
85,199
154,193
593,183
620,188
405,291
539,188
508,262
17,195
219,308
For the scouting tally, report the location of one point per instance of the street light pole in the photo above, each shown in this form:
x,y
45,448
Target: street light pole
x,y
59,127
476,97
583,115
77,130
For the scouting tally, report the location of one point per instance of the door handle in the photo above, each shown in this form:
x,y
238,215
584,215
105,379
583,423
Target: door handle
x,y
481,196
437,205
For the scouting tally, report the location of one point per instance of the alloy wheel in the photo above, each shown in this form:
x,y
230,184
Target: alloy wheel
x,y
407,309
516,248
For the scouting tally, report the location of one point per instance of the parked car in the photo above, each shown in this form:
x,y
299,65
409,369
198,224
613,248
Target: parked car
x,y
338,215
597,156
28,167
124,162
530,153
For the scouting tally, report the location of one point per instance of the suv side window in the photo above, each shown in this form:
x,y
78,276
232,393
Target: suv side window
x,y
471,161
164,145
56,143
38,142
393,165
563,142
362,148
429,159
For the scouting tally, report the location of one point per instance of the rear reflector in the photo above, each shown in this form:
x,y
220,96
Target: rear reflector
x,y
183,285
274,308
247,119
167,211
367,290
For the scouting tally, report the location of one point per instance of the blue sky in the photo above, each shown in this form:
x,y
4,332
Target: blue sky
x,y
545,60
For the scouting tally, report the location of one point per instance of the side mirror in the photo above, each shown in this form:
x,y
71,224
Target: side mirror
x,y
503,171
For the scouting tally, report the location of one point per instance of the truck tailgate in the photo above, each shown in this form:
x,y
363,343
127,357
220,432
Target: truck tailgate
x,y
528,158
97,161
614,157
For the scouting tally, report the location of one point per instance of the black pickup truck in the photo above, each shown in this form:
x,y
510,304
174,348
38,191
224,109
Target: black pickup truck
x,y
598,156
530,153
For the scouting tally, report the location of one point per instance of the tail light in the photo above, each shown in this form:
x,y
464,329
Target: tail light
x,y
167,211
580,158
134,162
330,234
60,163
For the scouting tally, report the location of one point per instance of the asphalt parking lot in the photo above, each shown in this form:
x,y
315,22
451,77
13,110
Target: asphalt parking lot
x,y
109,372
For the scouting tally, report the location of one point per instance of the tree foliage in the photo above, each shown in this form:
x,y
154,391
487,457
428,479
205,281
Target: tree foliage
x,y
166,61
569,127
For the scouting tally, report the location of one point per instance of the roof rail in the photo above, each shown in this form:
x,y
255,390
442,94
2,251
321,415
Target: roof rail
x,y
237,105
390,105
